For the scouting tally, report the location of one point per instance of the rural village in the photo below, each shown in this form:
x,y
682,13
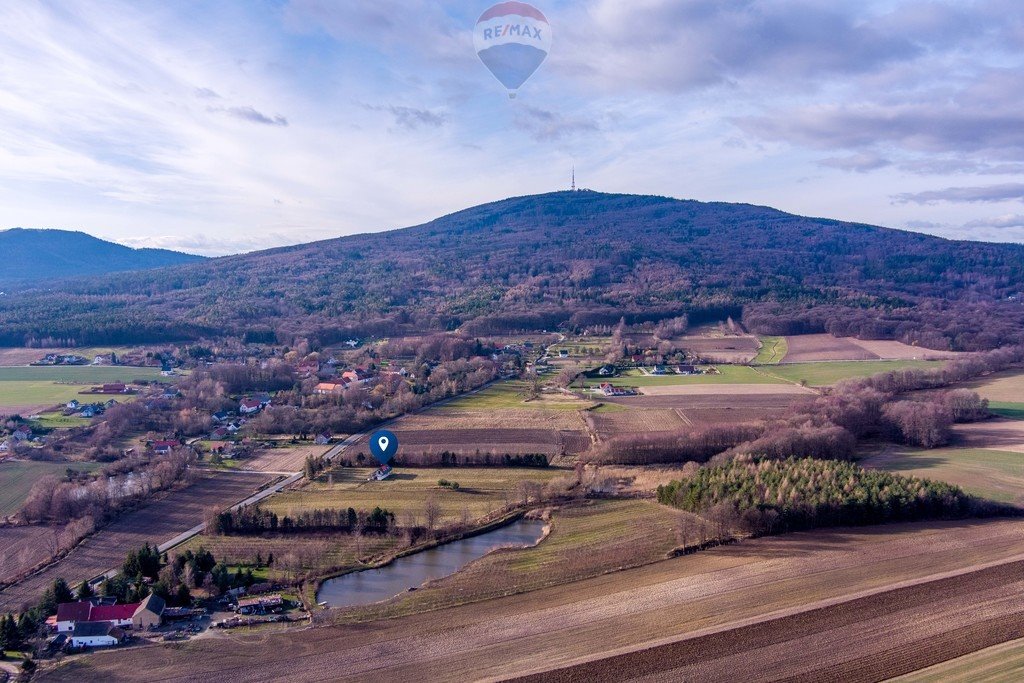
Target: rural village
x,y
239,481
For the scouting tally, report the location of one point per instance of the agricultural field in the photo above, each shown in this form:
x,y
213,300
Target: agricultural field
x,y
495,420
772,351
512,394
25,547
482,490
720,348
169,514
724,406
609,424
26,390
727,374
987,473
18,476
281,459
806,348
781,606
1000,434
1003,662
824,374
1004,391
23,356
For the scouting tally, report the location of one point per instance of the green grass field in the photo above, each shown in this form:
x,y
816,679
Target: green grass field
x,y
1006,409
991,474
18,476
58,421
1004,662
829,372
773,350
513,394
79,374
47,386
728,374
482,490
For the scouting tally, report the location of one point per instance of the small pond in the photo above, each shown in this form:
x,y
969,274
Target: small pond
x,y
373,585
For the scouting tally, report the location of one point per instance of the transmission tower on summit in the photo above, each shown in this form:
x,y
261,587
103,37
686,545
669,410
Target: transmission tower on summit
x,y
573,188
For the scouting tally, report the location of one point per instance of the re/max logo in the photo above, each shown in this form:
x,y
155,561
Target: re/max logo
x,y
512,30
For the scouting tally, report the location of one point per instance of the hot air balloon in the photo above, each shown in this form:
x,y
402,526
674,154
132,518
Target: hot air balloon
x,y
512,39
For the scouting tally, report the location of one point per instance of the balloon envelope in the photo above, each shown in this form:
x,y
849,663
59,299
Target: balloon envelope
x,y
512,39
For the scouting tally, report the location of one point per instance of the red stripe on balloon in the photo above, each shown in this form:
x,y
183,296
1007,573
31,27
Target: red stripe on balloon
x,y
518,8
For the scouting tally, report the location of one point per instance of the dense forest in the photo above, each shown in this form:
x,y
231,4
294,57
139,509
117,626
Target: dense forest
x,y
568,260
772,496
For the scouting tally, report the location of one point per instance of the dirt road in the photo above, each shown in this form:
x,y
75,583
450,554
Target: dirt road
x,y
813,591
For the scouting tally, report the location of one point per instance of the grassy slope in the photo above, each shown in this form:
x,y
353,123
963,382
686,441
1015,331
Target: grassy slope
x,y
584,541
992,474
17,478
512,394
829,372
84,374
772,351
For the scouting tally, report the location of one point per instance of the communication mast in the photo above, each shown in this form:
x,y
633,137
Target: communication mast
x,y
573,189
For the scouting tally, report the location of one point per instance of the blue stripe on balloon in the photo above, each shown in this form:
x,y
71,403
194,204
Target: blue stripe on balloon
x,y
512,63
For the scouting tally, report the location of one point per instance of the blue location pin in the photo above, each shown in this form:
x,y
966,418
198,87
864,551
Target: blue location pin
x,y
383,446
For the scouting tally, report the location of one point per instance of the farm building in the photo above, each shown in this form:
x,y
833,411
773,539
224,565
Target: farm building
x,y
149,613
687,370
357,376
219,434
611,390
70,614
96,634
323,438
259,604
331,387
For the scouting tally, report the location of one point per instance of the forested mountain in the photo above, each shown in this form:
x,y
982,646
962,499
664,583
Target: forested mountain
x,y
36,255
567,258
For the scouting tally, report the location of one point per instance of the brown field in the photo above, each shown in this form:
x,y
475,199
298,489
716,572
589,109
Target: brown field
x,y
745,606
498,418
705,410
823,347
1004,387
816,347
731,349
1002,435
170,514
25,547
630,421
887,349
725,390
15,357
287,459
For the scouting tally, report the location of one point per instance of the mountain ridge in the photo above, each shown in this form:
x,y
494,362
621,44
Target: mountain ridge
x,y
573,259
47,254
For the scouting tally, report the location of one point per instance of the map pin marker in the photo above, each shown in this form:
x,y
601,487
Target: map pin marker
x,y
383,446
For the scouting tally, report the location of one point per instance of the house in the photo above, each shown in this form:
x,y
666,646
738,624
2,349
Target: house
x,y
96,634
149,613
331,387
110,403
164,447
219,434
687,370
323,439
73,404
5,446
357,376
307,368
563,353
89,411
249,406
382,473
259,604
606,371
70,614
610,390
22,433
658,370
117,388
352,343
220,416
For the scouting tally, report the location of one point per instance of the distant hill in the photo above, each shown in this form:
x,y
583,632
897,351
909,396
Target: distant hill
x,y
567,259
36,255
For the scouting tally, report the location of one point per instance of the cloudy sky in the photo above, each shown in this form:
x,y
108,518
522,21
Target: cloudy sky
x,y
225,126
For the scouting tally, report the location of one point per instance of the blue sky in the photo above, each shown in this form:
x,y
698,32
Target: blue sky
x,y
218,127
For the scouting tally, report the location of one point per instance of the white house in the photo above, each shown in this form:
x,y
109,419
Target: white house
x,y
96,634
